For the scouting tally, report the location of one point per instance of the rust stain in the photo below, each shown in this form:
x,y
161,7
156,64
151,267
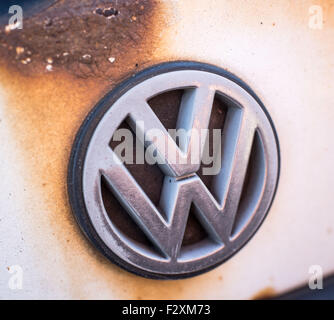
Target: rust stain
x,y
87,38
266,293
45,112
46,107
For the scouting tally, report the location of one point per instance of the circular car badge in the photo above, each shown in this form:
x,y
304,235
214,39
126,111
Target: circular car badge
x,y
174,170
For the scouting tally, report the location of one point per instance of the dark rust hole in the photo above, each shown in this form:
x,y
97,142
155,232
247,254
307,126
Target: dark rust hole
x,y
107,12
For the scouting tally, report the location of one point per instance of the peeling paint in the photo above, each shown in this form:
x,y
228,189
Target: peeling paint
x,y
81,36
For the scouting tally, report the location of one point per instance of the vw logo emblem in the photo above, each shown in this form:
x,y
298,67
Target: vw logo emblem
x,y
112,201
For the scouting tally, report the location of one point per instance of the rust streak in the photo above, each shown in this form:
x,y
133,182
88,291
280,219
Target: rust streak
x,y
266,293
86,38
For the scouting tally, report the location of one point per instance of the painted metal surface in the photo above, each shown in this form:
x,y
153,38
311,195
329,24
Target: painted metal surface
x,y
272,47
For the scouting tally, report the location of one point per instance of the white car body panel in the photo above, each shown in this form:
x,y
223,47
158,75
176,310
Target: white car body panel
x,y
289,65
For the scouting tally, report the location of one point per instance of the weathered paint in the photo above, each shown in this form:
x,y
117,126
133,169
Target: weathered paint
x,y
100,39
269,45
